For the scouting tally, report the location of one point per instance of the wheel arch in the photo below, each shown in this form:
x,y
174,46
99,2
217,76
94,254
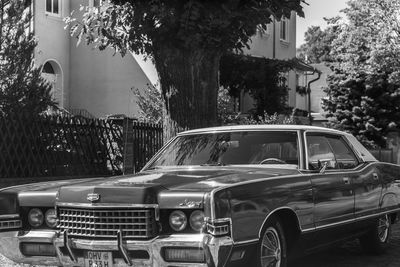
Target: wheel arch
x,y
290,223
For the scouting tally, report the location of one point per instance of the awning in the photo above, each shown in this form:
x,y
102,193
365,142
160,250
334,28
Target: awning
x,y
302,66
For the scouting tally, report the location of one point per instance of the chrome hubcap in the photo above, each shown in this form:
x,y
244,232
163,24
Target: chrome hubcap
x,y
271,251
383,228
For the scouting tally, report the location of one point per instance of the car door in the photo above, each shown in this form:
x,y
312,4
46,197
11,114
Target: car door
x,y
332,187
366,180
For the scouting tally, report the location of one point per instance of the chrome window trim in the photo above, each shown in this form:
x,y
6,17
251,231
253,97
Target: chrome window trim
x,y
158,153
151,161
360,161
238,130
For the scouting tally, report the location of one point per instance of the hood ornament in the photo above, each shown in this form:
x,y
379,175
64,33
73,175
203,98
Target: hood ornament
x,y
190,204
92,197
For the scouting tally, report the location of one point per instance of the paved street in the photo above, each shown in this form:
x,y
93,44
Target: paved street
x,y
348,255
351,255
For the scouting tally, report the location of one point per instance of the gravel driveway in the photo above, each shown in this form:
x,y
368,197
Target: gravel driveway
x,y
348,255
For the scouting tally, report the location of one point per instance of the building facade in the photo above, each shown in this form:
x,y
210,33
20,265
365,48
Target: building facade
x,y
98,83
85,80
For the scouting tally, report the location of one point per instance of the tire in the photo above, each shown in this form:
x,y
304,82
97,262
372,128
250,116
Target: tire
x,y
376,240
272,247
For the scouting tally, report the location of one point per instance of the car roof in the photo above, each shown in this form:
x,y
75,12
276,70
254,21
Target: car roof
x,y
261,127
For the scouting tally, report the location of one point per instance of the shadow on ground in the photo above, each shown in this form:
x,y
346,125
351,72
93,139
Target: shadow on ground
x,y
351,255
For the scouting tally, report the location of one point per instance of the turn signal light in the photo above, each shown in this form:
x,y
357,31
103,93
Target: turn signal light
x,y
218,227
195,255
38,249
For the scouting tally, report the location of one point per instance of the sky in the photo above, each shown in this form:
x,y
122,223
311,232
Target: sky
x,y
314,14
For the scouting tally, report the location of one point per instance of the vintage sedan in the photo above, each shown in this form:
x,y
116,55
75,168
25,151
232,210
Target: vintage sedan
x,y
221,196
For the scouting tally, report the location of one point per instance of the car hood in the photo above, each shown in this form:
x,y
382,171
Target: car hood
x,y
146,187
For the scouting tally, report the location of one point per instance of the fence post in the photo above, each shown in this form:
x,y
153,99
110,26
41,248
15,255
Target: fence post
x,y
128,155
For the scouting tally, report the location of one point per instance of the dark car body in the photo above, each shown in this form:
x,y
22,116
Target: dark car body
x,y
319,199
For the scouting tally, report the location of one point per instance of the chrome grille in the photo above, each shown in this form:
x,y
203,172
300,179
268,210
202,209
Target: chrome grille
x,y
10,224
105,223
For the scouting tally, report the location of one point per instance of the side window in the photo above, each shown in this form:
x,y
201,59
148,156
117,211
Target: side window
x,y
329,149
345,157
319,151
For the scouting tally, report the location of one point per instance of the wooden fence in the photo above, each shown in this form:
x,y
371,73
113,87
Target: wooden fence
x,y
141,142
384,155
49,146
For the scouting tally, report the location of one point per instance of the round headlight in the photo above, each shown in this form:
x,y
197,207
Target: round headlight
x,y
51,218
177,220
196,220
35,217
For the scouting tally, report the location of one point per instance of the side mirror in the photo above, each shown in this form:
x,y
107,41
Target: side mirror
x,y
323,167
326,163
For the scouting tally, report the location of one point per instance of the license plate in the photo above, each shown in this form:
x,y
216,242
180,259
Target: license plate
x,y
98,259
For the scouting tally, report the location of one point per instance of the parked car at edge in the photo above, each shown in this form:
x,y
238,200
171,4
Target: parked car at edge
x,y
211,197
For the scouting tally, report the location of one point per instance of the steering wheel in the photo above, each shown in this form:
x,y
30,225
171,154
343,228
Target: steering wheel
x,y
265,161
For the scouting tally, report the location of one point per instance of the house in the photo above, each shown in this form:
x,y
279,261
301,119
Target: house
x,y
98,83
279,42
317,93
85,81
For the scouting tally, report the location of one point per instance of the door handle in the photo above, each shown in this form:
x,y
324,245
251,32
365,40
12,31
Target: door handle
x,y
346,180
375,176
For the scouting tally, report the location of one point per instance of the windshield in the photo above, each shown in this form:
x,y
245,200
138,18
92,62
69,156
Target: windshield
x,y
231,148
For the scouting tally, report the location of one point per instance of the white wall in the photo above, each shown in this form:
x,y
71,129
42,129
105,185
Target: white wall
x,y
263,46
53,42
101,82
98,82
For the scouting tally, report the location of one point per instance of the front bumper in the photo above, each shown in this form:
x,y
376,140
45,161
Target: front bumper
x,y
216,249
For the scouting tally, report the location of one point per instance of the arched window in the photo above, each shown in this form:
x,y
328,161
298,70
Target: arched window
x,y
52,72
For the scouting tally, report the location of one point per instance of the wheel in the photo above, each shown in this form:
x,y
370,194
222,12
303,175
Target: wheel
x,y
272,245
279,161
376,240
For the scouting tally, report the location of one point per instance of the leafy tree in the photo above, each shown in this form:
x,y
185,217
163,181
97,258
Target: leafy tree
x,y
150,104
364,89
263,78
186,40
318,42
22,89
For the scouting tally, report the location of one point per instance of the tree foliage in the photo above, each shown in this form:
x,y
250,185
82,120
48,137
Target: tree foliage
x,y
318,42
364,89
186,40
150,104
22,89
264,79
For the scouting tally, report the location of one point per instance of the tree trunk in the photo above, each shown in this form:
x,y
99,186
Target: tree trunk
x,y
189,84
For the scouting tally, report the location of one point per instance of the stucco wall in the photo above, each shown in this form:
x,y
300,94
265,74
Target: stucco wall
x,y
98,82
53,41
263,46
101,82
317,87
